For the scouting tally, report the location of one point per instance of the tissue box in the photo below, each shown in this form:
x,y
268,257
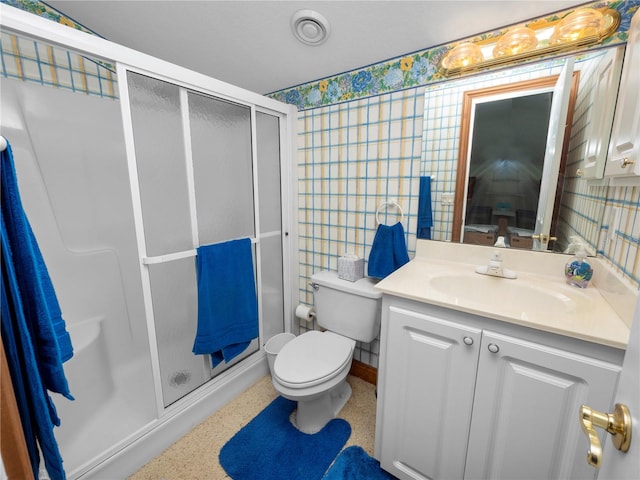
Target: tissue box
x,y
350,267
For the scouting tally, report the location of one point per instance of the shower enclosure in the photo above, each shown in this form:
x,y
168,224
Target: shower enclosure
x,y
120,190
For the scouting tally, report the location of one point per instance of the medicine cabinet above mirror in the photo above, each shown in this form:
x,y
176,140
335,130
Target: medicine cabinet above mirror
x,y
519,150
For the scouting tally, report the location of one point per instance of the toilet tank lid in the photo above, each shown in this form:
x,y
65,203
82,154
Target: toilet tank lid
x,y
364,287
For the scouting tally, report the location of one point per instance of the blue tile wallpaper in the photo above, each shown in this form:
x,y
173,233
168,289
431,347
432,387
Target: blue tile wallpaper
x,y
366,136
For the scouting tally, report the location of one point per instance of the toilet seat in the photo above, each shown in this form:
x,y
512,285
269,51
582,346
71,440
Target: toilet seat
x,y
312,358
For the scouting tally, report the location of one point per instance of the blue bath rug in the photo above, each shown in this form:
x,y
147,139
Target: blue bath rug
x,y
270,448
354,463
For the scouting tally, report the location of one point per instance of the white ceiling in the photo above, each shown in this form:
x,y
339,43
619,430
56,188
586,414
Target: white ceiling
x,y
250,43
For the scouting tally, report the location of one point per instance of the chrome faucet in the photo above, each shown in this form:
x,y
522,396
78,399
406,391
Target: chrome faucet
x,y
495,268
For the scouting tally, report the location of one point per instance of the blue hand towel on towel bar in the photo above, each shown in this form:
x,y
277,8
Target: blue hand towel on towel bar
x,y
388,252
227,302
425,216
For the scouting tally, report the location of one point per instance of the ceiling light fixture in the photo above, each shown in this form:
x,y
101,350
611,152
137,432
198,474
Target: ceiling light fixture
x,y
310,27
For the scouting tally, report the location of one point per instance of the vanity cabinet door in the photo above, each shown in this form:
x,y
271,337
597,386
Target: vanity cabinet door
x,y
624,148
428,372
525,415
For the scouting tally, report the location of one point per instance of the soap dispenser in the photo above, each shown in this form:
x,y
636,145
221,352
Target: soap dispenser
x,y
500,242
577,270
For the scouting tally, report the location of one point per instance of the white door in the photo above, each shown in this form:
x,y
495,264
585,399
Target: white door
x,y
553,154
615,464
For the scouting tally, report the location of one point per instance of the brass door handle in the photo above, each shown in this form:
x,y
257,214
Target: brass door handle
x,y
544,238
625,162
617,424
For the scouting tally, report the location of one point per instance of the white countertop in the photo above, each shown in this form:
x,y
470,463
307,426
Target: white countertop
x,y
566,310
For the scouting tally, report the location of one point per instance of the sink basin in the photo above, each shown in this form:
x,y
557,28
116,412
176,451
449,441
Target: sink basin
x,y
515,296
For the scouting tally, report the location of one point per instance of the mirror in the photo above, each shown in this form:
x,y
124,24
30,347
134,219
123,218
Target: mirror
x,y
487,145
503,163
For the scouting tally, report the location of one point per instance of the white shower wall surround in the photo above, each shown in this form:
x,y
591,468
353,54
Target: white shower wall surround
x,y
120,193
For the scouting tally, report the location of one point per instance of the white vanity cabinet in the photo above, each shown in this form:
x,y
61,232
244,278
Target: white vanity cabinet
x,y
461,396
429,376
624,149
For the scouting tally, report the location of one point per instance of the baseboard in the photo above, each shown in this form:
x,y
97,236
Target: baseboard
x,y
365,372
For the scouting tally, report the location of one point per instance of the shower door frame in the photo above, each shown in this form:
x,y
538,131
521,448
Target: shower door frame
x,y
185,88
38,28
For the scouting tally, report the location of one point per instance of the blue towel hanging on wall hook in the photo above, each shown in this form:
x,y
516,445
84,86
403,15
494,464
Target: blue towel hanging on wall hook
x,y
425,215
34,333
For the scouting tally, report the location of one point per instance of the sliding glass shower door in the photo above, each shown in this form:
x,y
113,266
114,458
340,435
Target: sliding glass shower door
x,y
208,171
270,216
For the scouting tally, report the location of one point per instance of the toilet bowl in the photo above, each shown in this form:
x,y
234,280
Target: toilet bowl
x,y
312,368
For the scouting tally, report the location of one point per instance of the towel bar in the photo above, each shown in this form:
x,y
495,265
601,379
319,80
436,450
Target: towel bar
x,y
390,203
192,253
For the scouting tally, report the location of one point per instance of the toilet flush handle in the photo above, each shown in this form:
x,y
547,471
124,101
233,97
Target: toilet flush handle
x,y
315,286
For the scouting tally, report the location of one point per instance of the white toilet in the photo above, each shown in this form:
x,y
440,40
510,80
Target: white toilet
x,y
312,368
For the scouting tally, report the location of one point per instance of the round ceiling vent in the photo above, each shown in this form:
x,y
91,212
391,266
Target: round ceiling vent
x,y
310,27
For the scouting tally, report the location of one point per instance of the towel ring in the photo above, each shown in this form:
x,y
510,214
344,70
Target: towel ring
x,y
392,203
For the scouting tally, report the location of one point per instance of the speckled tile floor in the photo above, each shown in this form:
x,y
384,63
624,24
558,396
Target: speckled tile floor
x,y
195,456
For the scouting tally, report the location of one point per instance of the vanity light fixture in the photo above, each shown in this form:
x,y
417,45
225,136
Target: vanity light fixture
x,y
579,29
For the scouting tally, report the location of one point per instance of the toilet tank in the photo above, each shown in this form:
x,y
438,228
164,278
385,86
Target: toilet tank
x,y
351,309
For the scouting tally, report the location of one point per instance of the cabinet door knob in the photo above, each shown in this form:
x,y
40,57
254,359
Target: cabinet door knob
x,y
493,348
468,340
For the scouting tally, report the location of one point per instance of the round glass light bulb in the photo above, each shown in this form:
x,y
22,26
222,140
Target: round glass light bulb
x,y
516,40
464,55
585,22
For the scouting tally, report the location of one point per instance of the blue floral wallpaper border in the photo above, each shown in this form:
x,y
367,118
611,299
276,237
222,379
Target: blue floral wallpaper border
x,y
417,69
400,73
43,10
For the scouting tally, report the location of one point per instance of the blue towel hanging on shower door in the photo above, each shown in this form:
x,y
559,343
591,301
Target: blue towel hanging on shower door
x,y
33,332
227,302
